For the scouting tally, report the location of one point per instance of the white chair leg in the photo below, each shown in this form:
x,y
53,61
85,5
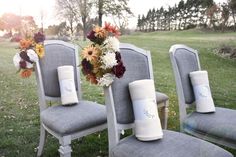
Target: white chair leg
x,y
164,115
65,148
166,111
41,140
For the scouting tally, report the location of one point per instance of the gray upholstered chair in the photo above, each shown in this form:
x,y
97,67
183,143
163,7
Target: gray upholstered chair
x,y
120,117
218,127
66,123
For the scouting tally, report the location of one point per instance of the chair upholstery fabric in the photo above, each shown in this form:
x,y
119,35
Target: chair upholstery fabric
x,y
173,144
186,62
70,119
161,97
219,124
122,100
49,65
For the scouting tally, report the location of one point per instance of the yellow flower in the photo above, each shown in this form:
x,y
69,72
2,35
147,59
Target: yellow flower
x,y
39,50
100,32
90,53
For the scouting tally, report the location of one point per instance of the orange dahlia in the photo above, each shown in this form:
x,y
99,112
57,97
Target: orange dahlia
x,y
92,78
26,73
26,43
100,32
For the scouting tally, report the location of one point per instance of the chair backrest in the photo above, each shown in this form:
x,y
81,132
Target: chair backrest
x,y
184,60
119,106
137,66
57,53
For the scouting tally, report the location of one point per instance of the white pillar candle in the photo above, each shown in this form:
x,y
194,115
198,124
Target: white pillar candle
x,y
67,85
147,121
202,91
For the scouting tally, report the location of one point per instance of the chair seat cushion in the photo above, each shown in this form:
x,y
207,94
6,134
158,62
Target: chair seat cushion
x,y
161,97
219,124
173,144
69,119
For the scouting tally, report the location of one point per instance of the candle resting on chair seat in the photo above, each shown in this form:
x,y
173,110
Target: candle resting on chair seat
x,y
202,92
147,121
67,85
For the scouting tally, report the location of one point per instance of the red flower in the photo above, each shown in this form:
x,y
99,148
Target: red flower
x,y
91,36
39,37
118,57
107,27
119,69
87,67
23,64
112,29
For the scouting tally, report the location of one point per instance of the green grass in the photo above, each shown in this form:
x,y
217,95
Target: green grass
x,y
19,112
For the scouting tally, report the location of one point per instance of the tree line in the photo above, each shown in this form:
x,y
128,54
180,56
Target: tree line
x,y
190,14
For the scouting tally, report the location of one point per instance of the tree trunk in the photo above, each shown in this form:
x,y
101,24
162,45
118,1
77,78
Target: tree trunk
x,y
71,28
84,28
100,19
234,22
100,12
223,27
180,24
84,20
185,22
169,22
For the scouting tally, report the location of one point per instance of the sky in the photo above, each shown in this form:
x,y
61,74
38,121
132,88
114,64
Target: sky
x,y
36,8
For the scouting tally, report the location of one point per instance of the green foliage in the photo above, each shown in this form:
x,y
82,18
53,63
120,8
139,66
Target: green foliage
x,y
19,112
188,14
118,9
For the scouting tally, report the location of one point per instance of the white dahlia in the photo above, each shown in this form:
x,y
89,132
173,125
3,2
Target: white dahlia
x,y
109,60
113,43
32,55
16,60
106,80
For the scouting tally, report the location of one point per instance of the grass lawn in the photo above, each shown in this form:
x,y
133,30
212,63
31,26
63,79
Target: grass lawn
x,y
19,112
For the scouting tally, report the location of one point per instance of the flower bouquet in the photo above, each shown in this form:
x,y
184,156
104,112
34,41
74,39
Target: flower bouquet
x,y
31,49
101,60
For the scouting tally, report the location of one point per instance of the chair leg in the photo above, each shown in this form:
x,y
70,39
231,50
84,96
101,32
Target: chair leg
x,y
65,148
42,139
164,115
166,111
